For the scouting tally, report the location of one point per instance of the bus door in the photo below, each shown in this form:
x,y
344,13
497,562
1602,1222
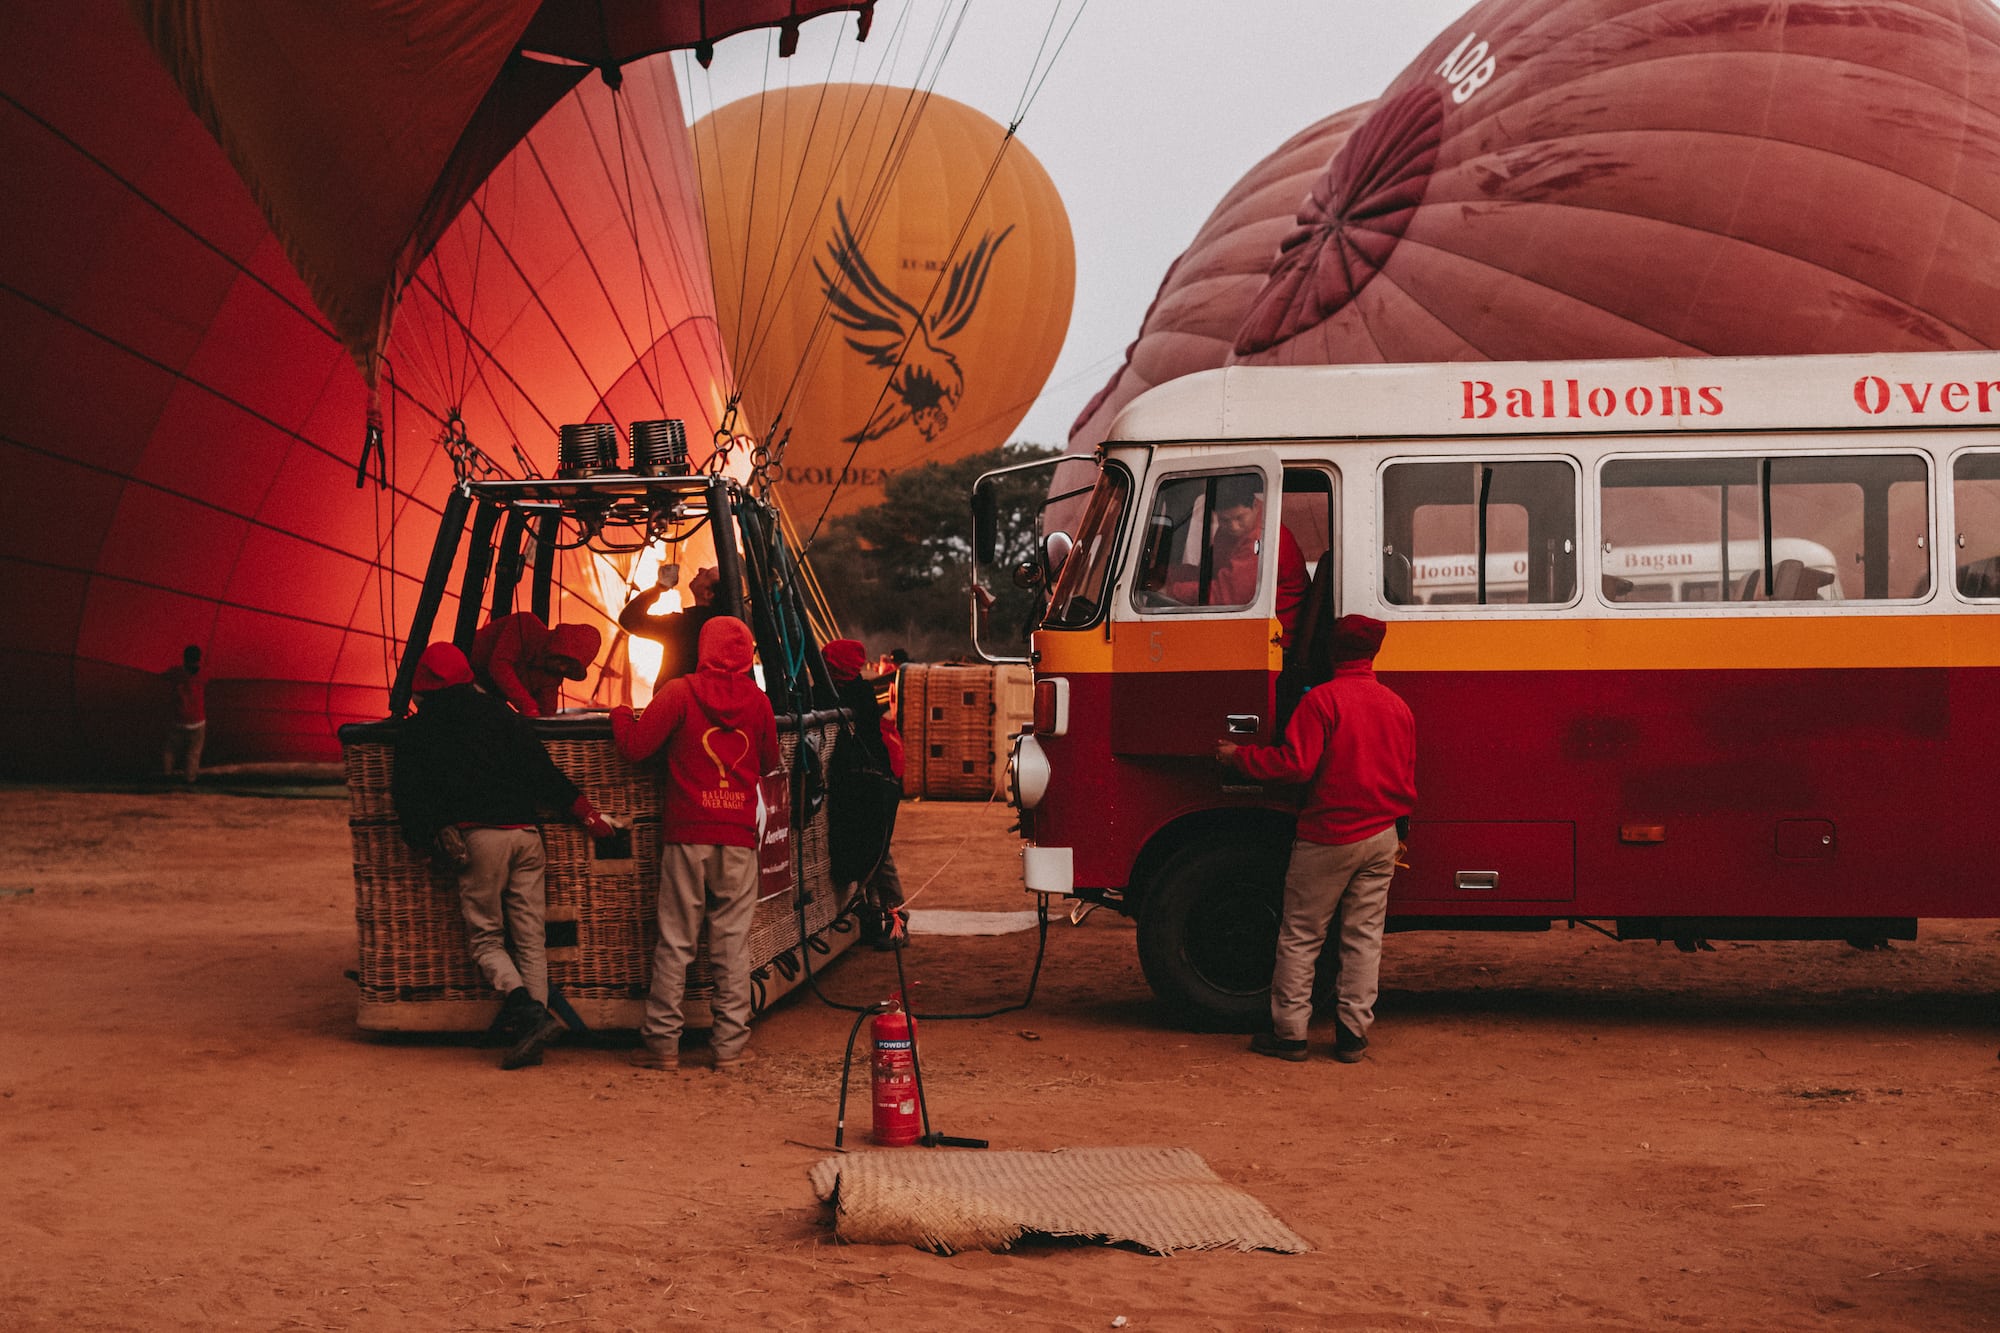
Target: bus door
x,y
1194,642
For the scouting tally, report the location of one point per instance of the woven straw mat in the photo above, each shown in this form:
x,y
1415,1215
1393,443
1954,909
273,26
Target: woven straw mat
x,y
1160,1199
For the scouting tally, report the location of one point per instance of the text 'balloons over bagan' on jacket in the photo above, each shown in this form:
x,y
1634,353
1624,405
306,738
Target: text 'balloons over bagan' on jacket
x,y
893,275
1613,178
363,126
180,427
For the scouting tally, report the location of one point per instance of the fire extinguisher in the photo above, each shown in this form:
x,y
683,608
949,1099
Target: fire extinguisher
x,y
898,1095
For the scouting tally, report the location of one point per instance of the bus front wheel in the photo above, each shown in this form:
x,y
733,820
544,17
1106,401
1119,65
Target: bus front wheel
x,y
1208,932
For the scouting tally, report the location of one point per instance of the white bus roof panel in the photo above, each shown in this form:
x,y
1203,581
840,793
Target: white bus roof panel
x,y
1475,398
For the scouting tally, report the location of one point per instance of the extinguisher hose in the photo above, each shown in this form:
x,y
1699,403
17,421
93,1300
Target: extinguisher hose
x,y
847,1066
1034,973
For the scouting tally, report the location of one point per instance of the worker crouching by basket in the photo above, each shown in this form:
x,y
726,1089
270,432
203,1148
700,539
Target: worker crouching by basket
x,y
471,784
717,739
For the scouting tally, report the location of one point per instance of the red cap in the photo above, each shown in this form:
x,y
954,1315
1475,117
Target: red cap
x,y
845,658
1356,638
726,644
442,666
578,642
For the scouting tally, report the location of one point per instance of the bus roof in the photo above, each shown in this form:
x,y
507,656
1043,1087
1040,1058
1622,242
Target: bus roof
x,y
1905,390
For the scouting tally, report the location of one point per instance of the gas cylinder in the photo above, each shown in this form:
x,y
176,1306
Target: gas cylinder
x,y
898,1119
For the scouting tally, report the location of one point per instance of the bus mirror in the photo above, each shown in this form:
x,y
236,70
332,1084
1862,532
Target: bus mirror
x,y
1055,550
1028,574
985,521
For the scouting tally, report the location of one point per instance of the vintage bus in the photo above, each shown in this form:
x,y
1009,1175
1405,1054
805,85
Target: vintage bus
x,y
1698,649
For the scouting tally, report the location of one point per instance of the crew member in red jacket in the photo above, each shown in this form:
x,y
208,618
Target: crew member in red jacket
x,y
1355,741
525,662
718,738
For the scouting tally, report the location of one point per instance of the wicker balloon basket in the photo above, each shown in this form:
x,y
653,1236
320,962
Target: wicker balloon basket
x,y
416,974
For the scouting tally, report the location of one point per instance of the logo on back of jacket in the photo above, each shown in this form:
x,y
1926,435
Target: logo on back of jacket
x,y
717,743
925,380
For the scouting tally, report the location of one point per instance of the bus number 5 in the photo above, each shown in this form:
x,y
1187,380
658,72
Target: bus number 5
x,y
1156,647
1467,68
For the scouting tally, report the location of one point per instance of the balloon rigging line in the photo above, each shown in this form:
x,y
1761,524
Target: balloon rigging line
x,y
764,322
965,226
627,213
752,337
597,276
873,204
679,245
628,207
1030,93
750,349
684,271
874,201
311,316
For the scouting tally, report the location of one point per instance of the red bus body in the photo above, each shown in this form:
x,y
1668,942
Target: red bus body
x,y
1815,767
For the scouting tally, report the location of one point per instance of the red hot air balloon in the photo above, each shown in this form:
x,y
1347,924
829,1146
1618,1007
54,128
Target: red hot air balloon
x,y
1634,178
181,422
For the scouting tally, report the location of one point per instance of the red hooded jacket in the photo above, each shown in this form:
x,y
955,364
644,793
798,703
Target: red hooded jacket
x,y
718,736
510,655
1353,738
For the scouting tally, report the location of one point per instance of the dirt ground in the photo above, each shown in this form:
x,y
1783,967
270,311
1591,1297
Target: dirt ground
x,y
1549,1132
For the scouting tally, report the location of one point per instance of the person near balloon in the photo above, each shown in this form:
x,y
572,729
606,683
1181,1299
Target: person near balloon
x,y
717,740
1353,739
187,727
525,662
677,632
471,785
1236,558
886,924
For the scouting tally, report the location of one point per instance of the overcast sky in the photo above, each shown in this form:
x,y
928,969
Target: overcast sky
x,y
1151,111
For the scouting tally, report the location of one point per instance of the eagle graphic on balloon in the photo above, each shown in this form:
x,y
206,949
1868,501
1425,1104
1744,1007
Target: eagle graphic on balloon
x,y
925,380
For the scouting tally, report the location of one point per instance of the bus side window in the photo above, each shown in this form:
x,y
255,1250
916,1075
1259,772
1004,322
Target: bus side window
x,y
1795,528
1482,532
1201,546
1975,500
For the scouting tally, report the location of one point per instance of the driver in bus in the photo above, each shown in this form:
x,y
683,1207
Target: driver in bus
x,y
1236,551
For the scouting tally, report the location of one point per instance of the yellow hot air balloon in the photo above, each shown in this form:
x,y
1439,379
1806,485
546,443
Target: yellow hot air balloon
x,y
893,278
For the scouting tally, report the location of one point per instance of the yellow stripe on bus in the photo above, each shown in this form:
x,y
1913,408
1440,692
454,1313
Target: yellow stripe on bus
x,y
1684,644
1661,643
1166,644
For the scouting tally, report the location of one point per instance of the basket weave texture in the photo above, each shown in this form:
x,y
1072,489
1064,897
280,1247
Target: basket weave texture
x,y
948,716
412,936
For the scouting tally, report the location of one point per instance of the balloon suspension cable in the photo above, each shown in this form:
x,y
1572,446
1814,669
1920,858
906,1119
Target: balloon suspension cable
x,y
468,461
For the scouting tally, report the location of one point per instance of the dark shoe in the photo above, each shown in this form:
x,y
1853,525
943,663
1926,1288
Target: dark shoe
x,y
539,1028
1279,1048
507,1025
655,1057
1348,1047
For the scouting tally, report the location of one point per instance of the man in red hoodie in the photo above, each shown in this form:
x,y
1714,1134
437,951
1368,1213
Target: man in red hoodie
x,y
718,739
1355,741
525,662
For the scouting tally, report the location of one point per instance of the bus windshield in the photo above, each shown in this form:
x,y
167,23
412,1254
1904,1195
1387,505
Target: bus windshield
x,y
1078,594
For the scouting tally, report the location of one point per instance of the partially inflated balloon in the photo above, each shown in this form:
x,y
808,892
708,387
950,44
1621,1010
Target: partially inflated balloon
x,y
181,429
1191,324
893,275
1610,178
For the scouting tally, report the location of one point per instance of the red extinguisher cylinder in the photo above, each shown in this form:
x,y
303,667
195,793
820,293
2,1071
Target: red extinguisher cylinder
x,y
898,1115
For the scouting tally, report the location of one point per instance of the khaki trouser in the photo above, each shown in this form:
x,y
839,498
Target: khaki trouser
x,y
1348,883
719,882
182,749
503,892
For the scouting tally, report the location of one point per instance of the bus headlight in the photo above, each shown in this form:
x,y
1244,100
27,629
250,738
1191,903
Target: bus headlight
x,y
1027,772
